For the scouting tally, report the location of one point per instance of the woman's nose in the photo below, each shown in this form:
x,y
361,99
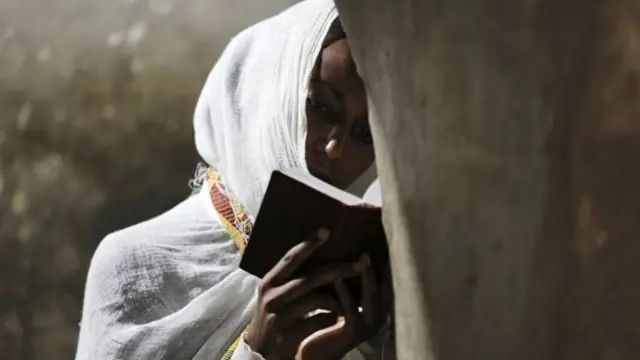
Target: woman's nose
x,y
334,145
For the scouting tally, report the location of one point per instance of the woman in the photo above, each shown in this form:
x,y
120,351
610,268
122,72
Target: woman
x,y
285,93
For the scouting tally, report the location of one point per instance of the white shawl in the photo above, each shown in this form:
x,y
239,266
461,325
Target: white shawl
x,y
170,288
250,119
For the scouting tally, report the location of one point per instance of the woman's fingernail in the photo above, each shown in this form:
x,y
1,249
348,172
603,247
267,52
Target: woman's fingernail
x,y
323,234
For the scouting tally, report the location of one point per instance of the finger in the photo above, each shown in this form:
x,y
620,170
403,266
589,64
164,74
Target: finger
x,y
300,308
315,342
294,289
292,260
301,329
370,296
346,300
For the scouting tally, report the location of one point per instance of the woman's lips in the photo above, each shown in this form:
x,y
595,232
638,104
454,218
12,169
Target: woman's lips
x,y
321,174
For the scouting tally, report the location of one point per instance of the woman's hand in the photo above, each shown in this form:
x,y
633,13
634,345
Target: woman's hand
x,y
355,326
280,324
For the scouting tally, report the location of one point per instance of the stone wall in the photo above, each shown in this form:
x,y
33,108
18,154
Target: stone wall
x,y
96,99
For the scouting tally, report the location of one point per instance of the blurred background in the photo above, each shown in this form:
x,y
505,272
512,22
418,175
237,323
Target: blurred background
x,y
96,99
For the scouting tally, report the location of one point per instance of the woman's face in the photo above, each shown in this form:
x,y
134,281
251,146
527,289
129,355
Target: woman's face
x,y
339,146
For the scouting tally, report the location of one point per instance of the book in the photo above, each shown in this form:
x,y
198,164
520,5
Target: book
x,y
295,206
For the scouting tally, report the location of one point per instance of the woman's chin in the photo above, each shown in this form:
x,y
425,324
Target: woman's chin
x,y
321,175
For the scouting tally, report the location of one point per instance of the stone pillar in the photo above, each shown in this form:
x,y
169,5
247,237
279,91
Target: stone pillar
x,y
508,144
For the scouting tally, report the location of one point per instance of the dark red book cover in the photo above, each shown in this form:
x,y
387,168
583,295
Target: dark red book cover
x,y
295,206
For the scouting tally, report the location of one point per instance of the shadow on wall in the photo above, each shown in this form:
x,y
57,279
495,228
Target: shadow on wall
x,y
95,135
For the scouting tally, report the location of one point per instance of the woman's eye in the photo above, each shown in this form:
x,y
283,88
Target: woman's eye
x,y
318,106
324,112
362,134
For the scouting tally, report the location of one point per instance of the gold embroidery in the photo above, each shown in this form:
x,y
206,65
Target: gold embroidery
x,y
232,214
235,221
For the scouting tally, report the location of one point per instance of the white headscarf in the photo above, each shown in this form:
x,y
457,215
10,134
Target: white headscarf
x,y
373,195
250,118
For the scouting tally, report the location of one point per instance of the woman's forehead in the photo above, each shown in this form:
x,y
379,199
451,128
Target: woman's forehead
x,y
338,71
337,64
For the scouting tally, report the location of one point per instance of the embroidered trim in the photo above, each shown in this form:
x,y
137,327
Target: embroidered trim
x,y
234,346
235,221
